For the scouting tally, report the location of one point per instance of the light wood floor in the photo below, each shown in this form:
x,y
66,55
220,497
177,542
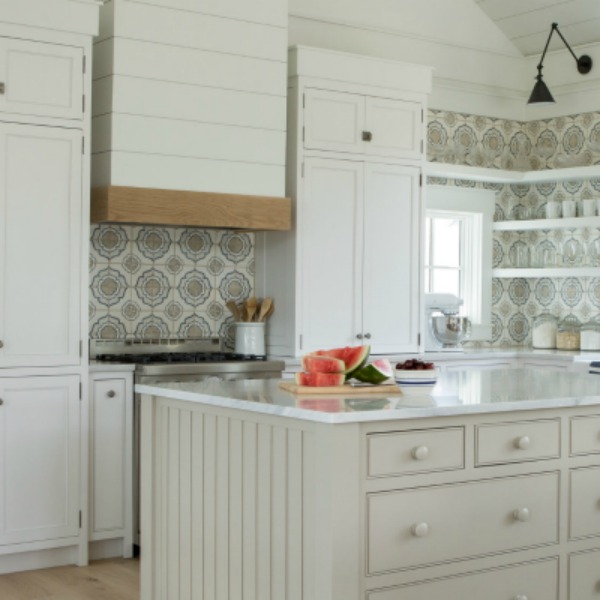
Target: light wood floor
x,y
116,579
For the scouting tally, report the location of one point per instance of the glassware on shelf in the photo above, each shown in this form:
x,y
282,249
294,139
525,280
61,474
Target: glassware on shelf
x,y
568,334
544,331
593,252
572,252
569,208
545,255
553,209
590,336
519,255
588,207
519,212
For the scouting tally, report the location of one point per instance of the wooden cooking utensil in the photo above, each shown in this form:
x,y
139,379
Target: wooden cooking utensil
x,y
235,311
265,307
270,311
250,306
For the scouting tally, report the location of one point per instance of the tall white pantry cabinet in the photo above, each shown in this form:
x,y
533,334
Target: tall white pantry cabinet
x,y
349,272
45,49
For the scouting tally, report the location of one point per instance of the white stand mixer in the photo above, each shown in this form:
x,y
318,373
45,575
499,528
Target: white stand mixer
x,y
444,328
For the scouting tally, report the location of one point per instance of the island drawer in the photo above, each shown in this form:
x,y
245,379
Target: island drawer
x,y
501,443
585,435
534,581
415,451
584,507
434,524
584,575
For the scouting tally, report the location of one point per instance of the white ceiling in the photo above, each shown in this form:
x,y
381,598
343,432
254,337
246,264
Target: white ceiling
x,y
527,23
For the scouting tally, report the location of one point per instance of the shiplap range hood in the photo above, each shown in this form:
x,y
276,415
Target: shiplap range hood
x,y
190,129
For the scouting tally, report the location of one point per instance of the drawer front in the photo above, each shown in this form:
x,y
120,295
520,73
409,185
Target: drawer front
x,y
533,581
585,435
443,523
406,452
584,575
585,503
501,443
40,79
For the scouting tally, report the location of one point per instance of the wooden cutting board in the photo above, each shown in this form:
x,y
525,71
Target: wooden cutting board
x,y
345,389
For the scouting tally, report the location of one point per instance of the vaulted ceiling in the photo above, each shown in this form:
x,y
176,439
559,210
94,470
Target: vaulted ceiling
x,y
527,22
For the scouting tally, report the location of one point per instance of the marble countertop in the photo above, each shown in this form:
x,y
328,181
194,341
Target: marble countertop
x,y
459,392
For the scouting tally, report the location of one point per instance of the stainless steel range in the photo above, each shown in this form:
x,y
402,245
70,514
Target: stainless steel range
x,y
178,360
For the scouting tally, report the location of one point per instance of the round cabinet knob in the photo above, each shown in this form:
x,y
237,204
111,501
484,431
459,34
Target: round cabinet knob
x,y
1,344
420,452
368,336
523,442
1,402
521,514
521,597
420,530
111,393
359,336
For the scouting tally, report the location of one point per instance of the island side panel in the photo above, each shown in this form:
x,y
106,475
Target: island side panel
x,y
238,505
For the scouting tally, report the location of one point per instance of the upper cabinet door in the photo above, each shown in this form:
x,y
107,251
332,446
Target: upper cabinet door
x,y
391,267
395,128
365,125
40,79
333,121
40,245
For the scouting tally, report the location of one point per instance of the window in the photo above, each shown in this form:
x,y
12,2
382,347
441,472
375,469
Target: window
x,y
458,250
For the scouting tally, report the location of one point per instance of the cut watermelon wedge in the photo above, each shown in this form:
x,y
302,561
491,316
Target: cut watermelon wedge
x,y
354,357
375,373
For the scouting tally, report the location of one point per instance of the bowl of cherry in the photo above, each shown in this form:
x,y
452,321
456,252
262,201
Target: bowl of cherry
x,y
417,377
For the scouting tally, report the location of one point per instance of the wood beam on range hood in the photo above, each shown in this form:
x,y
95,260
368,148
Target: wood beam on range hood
x,y
148,206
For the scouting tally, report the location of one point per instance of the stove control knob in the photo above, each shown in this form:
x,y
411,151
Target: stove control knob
x,y
111,393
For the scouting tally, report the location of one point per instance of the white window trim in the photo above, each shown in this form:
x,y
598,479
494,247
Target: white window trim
x,y
479,203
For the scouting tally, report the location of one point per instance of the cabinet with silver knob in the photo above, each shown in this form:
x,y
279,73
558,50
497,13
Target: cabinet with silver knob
x,y
111,464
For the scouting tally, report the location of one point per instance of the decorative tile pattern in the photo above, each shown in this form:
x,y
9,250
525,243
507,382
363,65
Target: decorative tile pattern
x,y
560,142
166,282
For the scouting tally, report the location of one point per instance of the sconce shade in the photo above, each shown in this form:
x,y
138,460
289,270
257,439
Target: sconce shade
x,y
540,93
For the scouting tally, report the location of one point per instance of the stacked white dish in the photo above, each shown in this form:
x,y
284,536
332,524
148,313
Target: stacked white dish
x,y
416,382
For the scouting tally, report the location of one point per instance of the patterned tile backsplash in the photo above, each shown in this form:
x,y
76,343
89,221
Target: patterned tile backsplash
x,y
547,144
166,282
174,282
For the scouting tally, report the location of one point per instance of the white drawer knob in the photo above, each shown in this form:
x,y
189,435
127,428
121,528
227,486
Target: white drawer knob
x,y
420,452
420,530
522,443
521,514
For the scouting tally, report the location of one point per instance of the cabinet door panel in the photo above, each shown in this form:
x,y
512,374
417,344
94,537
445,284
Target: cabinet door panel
x,y
396,128
44,80
39,458
391,270
333,121
40,240
110,454
331,249
584,581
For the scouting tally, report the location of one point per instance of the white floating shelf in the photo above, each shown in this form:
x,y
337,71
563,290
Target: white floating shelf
x,y
536,273
435,169
570,223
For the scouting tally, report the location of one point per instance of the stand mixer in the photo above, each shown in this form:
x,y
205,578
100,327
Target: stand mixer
x,y
444,328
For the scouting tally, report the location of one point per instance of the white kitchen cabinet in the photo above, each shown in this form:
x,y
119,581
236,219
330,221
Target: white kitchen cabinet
x,y
40,242
111,463
355,218
350,271
359,124
41,79
39,460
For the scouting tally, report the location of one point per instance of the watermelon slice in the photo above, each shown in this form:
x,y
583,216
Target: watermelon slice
x,y
320,379
322,364
375,373
354,357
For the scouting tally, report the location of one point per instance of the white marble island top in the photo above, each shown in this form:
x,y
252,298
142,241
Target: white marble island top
x,y
456,393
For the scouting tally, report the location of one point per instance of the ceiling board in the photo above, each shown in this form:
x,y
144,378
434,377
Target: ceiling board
x,y
527,24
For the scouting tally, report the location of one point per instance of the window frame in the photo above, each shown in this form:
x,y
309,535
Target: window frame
x,y
478,204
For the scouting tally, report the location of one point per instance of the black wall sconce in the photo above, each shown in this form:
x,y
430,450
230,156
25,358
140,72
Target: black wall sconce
x,y
541,94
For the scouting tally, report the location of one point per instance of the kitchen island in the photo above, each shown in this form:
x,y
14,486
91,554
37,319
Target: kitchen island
x,y
490,487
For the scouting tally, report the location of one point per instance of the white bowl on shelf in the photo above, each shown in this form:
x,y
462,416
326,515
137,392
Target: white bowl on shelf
x,y
415,382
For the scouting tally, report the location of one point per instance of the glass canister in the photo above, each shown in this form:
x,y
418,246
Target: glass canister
x,y
590,336
568,334
544,331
